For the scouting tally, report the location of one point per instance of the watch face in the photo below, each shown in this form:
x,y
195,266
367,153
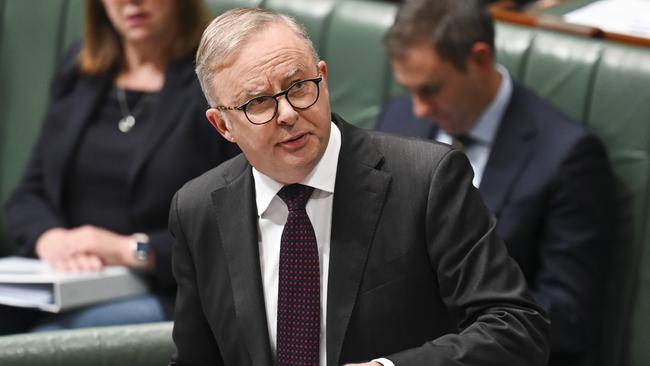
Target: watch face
x,y
141,251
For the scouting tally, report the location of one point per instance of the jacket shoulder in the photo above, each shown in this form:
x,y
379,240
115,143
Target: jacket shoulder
x,y
411,160
67,71
556,129
213,179
415,148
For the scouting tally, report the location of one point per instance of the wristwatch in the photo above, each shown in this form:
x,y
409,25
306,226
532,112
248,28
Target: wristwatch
x,y
140,247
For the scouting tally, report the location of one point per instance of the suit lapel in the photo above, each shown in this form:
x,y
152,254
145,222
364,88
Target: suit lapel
x,y
358,185
237,223
167,108
83,103
511,150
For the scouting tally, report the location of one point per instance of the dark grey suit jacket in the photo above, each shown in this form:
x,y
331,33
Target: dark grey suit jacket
x,y
549,183
417,272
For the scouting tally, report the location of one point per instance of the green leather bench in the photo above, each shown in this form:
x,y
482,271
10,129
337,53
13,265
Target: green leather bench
x,y
606,86
598,82
135,345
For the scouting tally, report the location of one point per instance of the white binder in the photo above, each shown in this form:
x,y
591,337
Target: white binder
x,y
27,282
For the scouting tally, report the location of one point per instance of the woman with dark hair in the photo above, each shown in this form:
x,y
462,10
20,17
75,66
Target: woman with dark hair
x,y
125,128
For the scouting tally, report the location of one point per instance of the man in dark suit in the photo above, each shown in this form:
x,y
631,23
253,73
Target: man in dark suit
x,y
546,179
324,244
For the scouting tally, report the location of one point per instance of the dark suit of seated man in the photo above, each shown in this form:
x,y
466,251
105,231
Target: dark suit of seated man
x,y
324,244
547,180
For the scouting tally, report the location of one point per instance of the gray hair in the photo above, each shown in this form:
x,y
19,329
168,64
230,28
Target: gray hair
x,y
227,33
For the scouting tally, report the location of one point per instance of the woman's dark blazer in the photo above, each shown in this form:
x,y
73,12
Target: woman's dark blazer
x,y
180,145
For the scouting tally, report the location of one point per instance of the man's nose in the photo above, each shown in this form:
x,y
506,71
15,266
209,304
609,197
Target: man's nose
x,y
422,108
286,113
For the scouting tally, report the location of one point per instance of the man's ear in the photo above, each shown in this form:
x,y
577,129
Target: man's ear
x,y
322,67
220,124
482,55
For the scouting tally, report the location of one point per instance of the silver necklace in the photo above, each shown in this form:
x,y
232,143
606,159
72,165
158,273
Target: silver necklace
x,y
127,121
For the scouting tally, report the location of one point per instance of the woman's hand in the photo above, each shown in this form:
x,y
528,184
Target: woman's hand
x,y
84,248
79,263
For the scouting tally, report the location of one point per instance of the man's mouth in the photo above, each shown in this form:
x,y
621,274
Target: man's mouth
x,y
295,141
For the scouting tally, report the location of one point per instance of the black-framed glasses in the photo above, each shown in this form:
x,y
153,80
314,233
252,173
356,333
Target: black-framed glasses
x,y
260,110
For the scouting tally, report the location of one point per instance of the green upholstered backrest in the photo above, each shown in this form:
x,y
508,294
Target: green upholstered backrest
x,y
605,86
2,8
512,45
619,112
560,68
313,14
29,45
358,65
132,345
73,23
219,6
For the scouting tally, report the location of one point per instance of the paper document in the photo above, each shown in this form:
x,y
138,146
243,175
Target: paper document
x,y
630,17
28,282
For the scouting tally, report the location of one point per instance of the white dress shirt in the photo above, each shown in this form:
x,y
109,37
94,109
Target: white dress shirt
x,y
484,131
272,215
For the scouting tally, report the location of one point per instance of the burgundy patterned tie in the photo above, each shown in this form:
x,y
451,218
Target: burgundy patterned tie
x,y
298,331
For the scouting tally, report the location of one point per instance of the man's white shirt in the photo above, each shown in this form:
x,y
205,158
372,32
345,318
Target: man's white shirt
x,y
484,131
272,216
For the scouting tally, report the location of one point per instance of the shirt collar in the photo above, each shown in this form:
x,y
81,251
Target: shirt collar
x,y
488,123
322,177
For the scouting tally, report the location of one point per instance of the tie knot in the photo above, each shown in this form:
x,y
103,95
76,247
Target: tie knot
x,y
295,196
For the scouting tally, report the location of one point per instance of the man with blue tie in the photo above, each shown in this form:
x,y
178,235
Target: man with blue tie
x,y
546,179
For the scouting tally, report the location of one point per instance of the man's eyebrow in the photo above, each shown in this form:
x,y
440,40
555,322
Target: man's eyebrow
x,y
287,77
240,96
251,93
292,72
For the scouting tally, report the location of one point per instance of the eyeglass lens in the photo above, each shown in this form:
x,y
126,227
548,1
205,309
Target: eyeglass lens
x,y
300,95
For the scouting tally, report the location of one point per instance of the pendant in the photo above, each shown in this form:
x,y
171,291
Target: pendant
x,y
126,123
